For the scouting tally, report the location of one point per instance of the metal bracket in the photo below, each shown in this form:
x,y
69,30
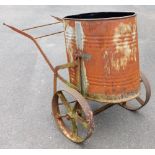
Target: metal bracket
x,y
56,75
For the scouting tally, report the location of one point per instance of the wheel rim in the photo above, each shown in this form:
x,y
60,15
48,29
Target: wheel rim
x,y
77,113
141,102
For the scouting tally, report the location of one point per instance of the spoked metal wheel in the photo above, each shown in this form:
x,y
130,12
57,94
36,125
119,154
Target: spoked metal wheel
x,y
133,106
72,115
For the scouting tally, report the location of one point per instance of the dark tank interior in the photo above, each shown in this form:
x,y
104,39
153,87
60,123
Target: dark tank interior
x,y
95,15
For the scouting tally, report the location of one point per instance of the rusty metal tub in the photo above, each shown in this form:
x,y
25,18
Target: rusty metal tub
x,y
108,45
103,63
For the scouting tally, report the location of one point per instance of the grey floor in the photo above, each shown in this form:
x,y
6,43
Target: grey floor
x,y
26,84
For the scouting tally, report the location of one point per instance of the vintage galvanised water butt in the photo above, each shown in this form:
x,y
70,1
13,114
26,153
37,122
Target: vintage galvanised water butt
x,y
103,63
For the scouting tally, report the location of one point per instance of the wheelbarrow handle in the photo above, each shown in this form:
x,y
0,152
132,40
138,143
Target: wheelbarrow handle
x,y
19,31
34,41
54,69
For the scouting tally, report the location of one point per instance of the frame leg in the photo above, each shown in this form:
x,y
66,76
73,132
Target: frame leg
x,y
103,108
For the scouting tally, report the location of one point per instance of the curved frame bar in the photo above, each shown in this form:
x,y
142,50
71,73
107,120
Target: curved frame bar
x,y
141,101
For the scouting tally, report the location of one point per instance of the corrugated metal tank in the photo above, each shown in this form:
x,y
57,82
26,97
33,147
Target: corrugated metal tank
x,y
110,59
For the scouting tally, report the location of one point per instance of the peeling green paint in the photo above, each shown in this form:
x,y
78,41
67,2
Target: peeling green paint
x,y
84,80
113,98
86,56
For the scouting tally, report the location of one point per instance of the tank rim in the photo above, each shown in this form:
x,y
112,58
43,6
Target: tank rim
x,y
75,17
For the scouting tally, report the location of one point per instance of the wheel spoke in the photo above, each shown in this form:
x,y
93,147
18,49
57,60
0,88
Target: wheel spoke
x,y
73,101
78,117
140,101
74,124
69,102
74,127
64,101
61,116
81,120
75,107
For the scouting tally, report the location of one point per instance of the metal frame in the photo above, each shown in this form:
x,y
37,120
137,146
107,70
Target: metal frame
x,y
59,67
